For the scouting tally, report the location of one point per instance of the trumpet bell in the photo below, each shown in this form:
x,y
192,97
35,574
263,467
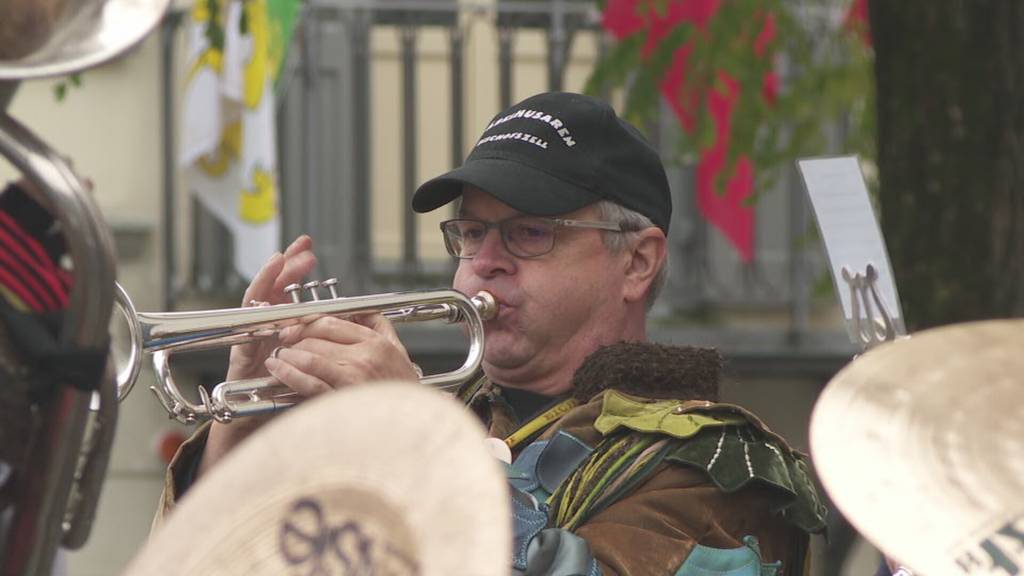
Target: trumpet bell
x,y
40,38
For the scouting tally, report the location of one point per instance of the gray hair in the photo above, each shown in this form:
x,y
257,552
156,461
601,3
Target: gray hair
x,y
631,220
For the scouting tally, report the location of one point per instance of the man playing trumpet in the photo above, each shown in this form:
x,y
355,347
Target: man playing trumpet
x,y
623,462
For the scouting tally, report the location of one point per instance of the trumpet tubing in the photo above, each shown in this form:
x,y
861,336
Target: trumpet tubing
x,y
164,333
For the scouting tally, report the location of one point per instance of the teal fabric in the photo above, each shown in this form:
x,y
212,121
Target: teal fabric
x,y
556,552
528,519
562,455
543,465
522,473
742,561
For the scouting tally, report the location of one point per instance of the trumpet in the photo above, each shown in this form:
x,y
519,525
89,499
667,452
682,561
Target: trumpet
x,y
164,333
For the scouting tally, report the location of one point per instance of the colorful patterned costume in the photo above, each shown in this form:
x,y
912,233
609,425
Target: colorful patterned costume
x,y
638,475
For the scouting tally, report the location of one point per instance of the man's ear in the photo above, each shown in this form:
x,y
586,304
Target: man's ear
x,y
647,256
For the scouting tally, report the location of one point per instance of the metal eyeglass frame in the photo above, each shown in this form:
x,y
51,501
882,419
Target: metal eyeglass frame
x,y
556,222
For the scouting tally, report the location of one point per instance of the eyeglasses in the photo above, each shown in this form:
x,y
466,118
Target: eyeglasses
x,y
523,236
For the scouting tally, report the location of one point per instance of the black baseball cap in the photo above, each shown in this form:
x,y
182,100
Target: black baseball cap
x,y
557,152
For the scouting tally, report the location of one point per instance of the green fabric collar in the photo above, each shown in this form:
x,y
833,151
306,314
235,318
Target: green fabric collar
x,y
731,445
672,417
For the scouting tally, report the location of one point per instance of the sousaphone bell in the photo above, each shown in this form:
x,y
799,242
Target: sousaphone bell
x,y
58,488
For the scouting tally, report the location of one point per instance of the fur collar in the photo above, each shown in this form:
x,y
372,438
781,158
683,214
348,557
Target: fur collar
x,y
650,370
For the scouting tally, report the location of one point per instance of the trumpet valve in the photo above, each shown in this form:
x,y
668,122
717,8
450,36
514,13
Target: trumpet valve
x,y
332,286
312,286
293,291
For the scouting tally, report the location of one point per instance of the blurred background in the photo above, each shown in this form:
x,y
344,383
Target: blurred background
x,y
240,125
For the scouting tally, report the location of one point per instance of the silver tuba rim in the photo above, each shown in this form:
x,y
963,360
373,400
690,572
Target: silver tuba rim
x,y
84,34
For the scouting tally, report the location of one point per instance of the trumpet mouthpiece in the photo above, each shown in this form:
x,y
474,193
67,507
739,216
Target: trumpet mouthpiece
x,y
486,304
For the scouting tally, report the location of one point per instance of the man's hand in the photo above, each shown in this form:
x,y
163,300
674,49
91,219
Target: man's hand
x,y
268,286
323,355
247,359
331,353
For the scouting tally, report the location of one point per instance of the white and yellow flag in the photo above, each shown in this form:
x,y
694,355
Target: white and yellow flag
x,y
228,149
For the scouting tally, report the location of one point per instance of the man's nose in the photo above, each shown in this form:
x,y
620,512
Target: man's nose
x,y
493,257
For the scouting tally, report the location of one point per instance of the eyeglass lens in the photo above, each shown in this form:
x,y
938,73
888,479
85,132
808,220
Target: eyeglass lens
x,y
522,236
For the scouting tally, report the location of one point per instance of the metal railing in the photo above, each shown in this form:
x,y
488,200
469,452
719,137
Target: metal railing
x,y
326,162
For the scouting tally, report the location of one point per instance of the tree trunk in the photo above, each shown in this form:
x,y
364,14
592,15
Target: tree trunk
x,y
950,80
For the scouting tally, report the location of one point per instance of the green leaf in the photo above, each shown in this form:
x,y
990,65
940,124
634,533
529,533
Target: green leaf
x,y
214,31
617,64
828,79
243,22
